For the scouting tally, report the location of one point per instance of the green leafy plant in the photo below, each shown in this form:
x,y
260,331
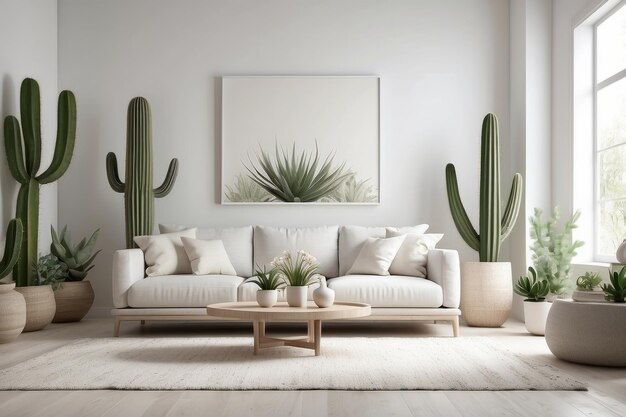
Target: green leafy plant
x,y
51,271
494,227
138,192
589,281
552,248
268,280
11,247
531,288
298,272
354,191
78,258
24,160
246,190
294,178
616,290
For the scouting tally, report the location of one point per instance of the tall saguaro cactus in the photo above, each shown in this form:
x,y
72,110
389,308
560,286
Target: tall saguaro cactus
x,y
24,158
138,192
494,228
11,247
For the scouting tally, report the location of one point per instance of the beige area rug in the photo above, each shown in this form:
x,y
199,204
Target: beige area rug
x,y
227,363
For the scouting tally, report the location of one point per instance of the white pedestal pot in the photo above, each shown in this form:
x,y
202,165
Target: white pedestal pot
x,y
536,315
297,296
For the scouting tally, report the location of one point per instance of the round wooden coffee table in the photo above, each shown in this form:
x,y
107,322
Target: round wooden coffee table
x,y
312,314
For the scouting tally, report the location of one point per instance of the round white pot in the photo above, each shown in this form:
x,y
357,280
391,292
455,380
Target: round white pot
x,y
267,298
296,296
486,293
324,296
536,315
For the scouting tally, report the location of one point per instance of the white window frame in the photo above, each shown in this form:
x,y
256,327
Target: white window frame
x,y
597,86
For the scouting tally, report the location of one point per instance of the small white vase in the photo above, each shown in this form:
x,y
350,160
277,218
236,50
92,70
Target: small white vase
x,y
296,296
620,254
267,298
323,296
536,315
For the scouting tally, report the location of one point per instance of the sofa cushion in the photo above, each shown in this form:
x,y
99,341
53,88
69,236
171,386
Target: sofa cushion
x,y
164,253
352,237
183,291
412,256
391,291
321,242
208,257
237,242
375,256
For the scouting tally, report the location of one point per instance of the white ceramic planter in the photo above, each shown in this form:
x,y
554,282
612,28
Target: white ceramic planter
x,y
267,298
486,293
12,313
620,254
323,296
296,296
536,315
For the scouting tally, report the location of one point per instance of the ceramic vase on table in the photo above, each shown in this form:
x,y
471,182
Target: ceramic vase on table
x,y
323,296
297,295
40,306
267,298
12,313
620,254
73,300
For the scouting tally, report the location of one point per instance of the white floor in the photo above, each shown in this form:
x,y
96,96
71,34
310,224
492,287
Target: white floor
x,y
606,395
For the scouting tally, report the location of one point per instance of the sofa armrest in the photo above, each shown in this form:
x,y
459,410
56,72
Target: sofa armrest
x,y
128,268
444,268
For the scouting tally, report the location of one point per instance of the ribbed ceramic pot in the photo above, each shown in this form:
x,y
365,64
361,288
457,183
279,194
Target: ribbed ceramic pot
x,y
486,293
12,313
40,306
297,296
267,298
73,300
323,296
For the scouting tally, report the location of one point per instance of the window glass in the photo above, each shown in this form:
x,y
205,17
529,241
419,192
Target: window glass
x,y
611,45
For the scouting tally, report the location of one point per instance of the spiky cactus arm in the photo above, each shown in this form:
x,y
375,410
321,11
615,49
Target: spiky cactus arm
x,y
27,211
112,174
30,113
13,147
489,224
11,247
459,215
513,205
170,179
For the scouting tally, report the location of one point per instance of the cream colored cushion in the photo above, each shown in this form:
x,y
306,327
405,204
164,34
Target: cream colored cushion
x,y
376,256
237,242
352,237
391,291
412,256
164,254
183,291
208,257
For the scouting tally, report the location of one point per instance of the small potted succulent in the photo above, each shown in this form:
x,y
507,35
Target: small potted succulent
x,y
298,274
269,282
616,290
588,288
536,308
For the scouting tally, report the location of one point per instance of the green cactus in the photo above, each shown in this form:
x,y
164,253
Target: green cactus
x,y
24,158
616,290
138,192
11,247
494,228
78,258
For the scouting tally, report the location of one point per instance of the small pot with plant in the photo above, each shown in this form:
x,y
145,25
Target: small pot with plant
x,y
12,304
269,282
298,274
588,288
536,308
616,290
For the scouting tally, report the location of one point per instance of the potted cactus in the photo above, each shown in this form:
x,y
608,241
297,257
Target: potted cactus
x,y
269,282
12,304
75,296
536,308
23,151
486,287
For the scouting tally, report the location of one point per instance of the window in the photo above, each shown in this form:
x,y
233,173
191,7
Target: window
x,y
610,133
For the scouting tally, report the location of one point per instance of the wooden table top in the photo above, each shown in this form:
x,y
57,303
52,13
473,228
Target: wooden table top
x,y
250,310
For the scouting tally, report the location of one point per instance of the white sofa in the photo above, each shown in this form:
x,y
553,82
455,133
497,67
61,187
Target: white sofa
x,y
185,297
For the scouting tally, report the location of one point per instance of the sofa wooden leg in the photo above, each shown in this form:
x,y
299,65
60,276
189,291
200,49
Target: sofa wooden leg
x,y
455,326
116,327
143,322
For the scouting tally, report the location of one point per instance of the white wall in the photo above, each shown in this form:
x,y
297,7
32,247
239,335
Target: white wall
x,y
28,30
443,66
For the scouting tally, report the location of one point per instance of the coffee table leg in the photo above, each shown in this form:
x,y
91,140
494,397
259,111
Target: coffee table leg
x,y
318,336
310,330
256,330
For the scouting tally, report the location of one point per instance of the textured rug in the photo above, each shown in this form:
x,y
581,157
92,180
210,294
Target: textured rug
x,y
227,363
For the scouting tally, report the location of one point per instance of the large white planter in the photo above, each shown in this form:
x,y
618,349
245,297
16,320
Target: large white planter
x,y
296,296
536,315
267,298
486,293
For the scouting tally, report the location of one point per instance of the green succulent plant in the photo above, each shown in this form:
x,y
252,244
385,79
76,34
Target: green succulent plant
x,y
589,281
354,191
298,272
245,190
532,288
616,290
11,247
51,271
78,258
268,280
291,178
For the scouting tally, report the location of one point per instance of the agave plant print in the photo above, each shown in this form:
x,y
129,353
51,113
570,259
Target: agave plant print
x,y
300,140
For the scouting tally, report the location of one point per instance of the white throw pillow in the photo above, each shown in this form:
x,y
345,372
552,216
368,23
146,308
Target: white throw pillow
x,y
208,257
165,254
376,256
412,256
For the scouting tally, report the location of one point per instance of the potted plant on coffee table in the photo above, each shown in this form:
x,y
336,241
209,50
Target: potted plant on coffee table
x,y
536,308
486,287
269,282
298,274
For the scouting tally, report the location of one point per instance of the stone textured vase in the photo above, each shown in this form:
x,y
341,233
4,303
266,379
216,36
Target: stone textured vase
x,y
536,315
267,298
40,306
323,296
620,253
12,313
297,296
486,293
73,301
